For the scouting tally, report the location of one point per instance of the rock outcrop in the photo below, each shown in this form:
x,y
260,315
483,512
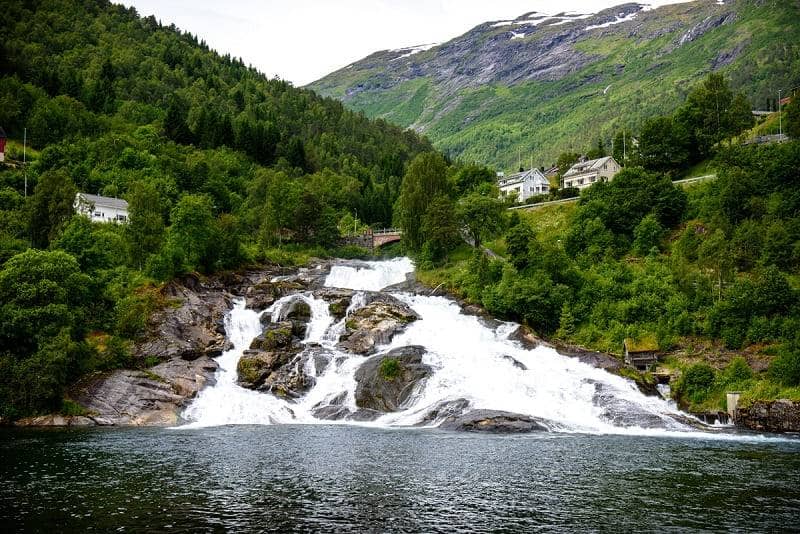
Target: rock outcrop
x,y
142,398
375,324
385,382
191,325
781,415
494,422
272,362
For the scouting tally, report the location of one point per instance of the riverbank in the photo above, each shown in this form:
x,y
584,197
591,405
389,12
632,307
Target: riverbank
x,y
763,406
286,354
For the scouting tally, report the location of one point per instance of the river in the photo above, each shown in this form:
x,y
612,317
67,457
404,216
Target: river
x,y
244,460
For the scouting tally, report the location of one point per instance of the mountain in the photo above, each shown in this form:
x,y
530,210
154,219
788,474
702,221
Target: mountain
x,y
542,84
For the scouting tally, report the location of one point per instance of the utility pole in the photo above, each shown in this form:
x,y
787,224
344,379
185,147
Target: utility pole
x,y
624,154
780,117
24,158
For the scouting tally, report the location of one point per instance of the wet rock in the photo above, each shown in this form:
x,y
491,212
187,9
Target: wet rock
x,y
445,410
621,412
56,420
274,336
264,293
144,398
494,422
600,360
526,337
338,300
516,363
386,381
781,415
375,324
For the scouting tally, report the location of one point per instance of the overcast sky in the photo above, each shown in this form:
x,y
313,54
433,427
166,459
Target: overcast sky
x,y
303,40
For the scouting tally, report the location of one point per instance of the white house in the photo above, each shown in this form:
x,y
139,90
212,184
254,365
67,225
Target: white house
x,y
101,209
586,173
525,184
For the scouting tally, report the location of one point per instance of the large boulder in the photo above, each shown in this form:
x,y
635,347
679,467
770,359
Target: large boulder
x,y
263,294
153,397
274,336
338,300
375,324
494,422
384,382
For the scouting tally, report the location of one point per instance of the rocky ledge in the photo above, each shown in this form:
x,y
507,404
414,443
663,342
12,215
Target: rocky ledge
x,y
494,422
375,324
781,415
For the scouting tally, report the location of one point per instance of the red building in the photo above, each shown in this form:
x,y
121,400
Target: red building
x,y
2,144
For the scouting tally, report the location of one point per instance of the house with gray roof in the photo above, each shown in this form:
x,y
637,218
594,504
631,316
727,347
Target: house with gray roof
x,y
587,173
524,184
101,209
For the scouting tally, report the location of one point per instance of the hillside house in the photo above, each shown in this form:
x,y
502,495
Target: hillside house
x,y
2,144
524,183
587,173
101,209
642,353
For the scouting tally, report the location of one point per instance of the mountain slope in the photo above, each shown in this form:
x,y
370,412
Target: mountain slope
x,y
542,84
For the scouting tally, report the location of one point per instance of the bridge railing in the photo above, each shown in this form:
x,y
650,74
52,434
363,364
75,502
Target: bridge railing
x,y
387,231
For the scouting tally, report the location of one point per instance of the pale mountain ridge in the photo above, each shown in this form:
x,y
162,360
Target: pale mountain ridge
x,y
546,83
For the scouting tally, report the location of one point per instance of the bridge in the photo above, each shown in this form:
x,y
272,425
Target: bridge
x,y
373,239
385,236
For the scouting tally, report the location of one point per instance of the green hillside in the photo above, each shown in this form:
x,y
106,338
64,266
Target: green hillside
x,y
490,94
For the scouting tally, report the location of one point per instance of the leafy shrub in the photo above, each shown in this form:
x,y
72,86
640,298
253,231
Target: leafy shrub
x,y
390,369
696,383
785,369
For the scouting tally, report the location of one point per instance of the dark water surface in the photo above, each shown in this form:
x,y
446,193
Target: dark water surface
x,y
345,478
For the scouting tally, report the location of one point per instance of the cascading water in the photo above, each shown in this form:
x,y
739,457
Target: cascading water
x,y
472,362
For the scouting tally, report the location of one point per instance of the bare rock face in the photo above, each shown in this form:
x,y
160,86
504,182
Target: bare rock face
x,y
386,381
273,349
494,422
375,324
781,415
142,398
190,326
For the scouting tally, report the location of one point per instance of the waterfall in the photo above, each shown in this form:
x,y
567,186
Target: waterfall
x,y
471,360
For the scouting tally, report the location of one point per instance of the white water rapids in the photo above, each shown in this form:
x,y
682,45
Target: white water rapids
x,y
471,360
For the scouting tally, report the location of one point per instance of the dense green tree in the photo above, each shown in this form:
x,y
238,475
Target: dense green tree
x,y
425,178
647,235
663,145
57,119
51,206
519,240
194,233
712,112
145,229
94,247
791,118
481,216
440,228
469,177
41,293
